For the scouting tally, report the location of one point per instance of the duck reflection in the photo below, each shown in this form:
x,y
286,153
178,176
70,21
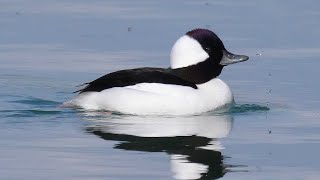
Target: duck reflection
x,y
192,142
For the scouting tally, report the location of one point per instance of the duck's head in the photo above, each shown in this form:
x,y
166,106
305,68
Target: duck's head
x,y
199,56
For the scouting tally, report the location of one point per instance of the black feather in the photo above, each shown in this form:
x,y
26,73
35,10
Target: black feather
x,y
135,76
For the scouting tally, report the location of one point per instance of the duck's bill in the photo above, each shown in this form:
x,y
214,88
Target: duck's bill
x,y
229,58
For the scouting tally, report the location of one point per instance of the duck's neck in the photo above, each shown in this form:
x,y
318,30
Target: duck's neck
x,y
199,73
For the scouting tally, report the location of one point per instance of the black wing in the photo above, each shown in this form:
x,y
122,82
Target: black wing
x,y
134,76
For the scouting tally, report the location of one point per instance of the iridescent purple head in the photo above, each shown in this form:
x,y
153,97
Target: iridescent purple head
x,y
208,39
200,45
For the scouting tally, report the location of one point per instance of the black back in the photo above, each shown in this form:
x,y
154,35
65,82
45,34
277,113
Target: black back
x,y
135,76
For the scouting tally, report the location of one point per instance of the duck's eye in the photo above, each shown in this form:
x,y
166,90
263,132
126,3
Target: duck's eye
x,y
208,49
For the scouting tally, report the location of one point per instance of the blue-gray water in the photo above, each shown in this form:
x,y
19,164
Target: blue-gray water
x,y
49,47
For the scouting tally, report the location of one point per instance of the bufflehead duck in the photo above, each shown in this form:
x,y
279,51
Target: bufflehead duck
x,y
189,86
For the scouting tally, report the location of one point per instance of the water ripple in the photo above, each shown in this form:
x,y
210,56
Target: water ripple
x,y
28,112
36,101
246,108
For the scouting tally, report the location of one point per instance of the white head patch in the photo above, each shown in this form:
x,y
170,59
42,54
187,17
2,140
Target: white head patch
x,y
185,52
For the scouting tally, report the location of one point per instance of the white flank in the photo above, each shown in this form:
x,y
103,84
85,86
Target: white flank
x,y
158,99
185,52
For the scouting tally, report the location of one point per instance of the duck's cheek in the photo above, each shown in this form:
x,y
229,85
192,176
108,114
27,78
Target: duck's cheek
x,y
187,51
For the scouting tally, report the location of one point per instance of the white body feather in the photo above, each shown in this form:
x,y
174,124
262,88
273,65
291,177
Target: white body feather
x,y
158,99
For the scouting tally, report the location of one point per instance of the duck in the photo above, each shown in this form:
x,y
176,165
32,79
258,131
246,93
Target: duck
x,y
189,86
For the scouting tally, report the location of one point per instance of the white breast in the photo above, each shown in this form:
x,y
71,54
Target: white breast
x,y
158,99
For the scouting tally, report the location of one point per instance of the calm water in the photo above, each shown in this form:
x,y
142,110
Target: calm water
x,y
49,47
